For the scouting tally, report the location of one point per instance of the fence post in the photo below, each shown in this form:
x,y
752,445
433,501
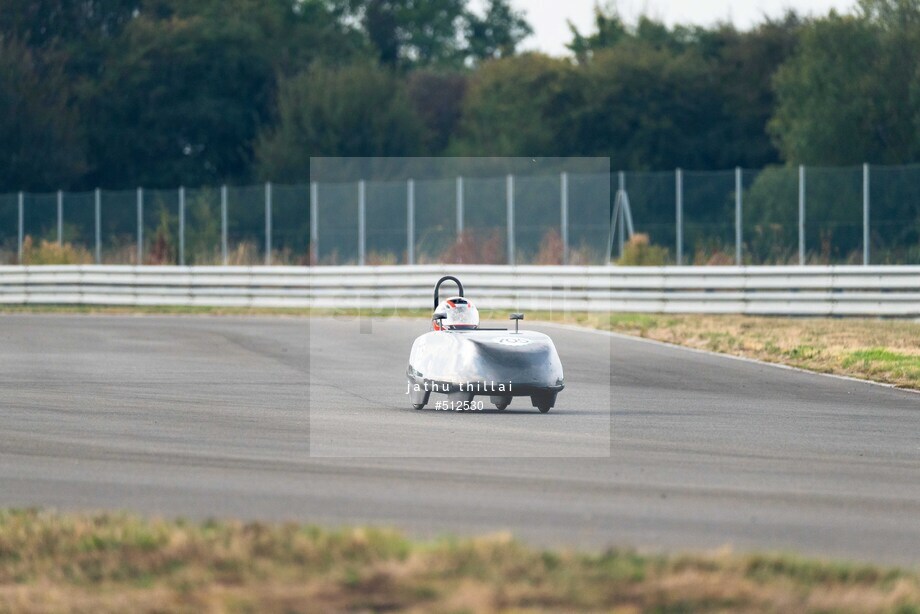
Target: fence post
x,y
679,204
459,206
362,229
21,207
801,214
510,203
181,226
223,225
866,214
140,226
620,221
98,212
314,223
60,217
738,213
268,223
410,222
564,214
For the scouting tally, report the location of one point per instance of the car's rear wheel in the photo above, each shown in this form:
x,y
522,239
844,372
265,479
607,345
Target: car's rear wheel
x,y
543,401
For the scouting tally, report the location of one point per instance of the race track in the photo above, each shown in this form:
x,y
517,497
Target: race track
x,y
237,417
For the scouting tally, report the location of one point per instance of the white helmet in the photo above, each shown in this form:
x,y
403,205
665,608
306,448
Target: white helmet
x,y
460,315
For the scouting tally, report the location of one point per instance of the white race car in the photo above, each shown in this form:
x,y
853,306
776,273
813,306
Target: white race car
x,y
462,360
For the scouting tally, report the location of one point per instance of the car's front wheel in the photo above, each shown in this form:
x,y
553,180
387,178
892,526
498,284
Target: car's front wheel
x,y
501,402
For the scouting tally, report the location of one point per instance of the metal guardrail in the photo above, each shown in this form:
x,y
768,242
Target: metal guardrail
x,y
787,290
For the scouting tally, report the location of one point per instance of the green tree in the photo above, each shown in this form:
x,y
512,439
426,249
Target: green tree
x,y
851,93
39,127
293,34
609,30
181,104
437,98
825,112
497,33
438,33
649,108
171,91
652,112
517,106
356,110
408,32
45,23
73,35
744,65
188,86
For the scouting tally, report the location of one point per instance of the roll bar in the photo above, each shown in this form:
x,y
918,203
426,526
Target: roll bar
x,y
437,287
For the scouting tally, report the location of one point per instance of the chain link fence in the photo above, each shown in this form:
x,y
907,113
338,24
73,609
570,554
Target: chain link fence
x,y
777,215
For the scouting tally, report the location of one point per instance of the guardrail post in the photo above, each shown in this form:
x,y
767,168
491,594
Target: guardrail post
x,y
314,223
738,205
223,225
140,226
564,214
60,217
362,228
801,215
679,205
459,206
268,223
181,226
21,207
410,222
98,216
865,215
510,203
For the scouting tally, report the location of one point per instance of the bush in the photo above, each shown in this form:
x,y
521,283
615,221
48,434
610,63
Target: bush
x,y
49,252
163,251
474,248
639,251
551,248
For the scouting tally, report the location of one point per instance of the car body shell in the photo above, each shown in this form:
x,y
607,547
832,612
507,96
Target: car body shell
x,y
495,362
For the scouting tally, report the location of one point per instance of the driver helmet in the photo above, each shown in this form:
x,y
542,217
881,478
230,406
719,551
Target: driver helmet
x,y
461,315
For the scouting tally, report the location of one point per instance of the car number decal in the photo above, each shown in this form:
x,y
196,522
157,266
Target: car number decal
x,y
512,340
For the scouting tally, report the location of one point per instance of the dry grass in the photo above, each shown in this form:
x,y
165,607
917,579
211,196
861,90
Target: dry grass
x,y
50,252
880,350
116,563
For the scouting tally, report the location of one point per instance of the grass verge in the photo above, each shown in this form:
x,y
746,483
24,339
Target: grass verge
x,y
880,350
886,351
63,562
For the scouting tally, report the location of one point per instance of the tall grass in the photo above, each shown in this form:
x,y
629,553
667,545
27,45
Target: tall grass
x,y
118,563
48,252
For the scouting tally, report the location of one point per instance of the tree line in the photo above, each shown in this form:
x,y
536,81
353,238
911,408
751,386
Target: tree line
x,y
121,93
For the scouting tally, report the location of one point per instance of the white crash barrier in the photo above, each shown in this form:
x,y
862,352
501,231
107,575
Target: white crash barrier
x,y
779,290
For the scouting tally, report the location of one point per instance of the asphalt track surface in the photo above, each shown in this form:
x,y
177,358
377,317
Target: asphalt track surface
x,y
277,418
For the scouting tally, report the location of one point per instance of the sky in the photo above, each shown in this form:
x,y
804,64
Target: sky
x,y
551,31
